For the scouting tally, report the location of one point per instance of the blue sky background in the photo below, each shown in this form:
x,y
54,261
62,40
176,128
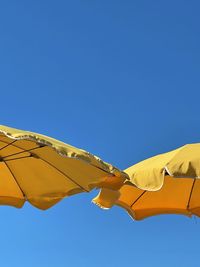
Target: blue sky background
x,y
120,79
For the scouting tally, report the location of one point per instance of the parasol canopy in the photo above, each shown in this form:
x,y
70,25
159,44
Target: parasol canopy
x,y
168,183
43,170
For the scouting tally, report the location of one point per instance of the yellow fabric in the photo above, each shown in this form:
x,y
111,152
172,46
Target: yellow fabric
x,y
160,185
181,162
106,198
177,196
43,170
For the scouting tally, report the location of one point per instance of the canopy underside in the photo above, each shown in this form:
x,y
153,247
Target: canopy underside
x,y
177,196
34,172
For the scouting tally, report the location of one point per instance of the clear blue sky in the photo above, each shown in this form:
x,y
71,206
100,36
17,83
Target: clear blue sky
x,y
120,79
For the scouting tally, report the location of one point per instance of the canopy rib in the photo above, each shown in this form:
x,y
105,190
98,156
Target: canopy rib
x,y
24,151
29,156
29,150
4,159
188,205
64,174
8,144
24,195
51,166
14,145
41,146
138,198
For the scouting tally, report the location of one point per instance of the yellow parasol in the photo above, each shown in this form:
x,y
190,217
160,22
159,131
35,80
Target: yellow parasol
x,y
43,170
166,184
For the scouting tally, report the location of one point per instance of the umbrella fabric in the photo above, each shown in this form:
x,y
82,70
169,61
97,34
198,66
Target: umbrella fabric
x,y
43,170
177,196
182,162
167,184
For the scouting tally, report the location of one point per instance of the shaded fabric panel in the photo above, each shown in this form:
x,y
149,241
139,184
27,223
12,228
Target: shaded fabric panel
x,y
84,173
172,198
42,184
129,194
9,149
15,148
194,204
10,193
5,144
25,144
61,148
